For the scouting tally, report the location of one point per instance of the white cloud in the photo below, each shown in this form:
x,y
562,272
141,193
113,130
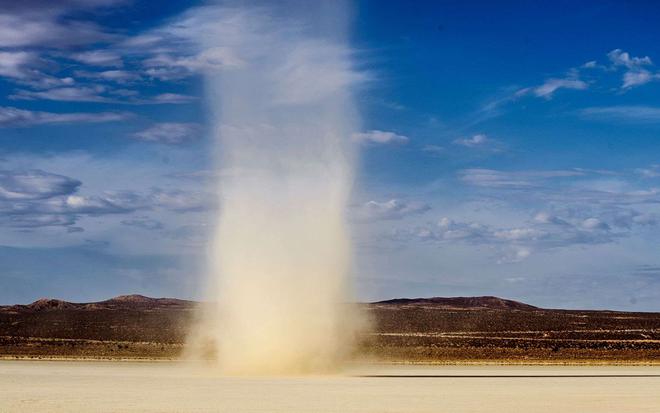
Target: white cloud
x,y
36,198
543,233
546,218
577,187
18,64
48,29
514,179
580,207
25,68
636,78
635,74
66,94
594,224
143,223
54,37
169,132
11,117
117,76
550,86
380,137
101,58
650,114
40,80
391,209
108,203
34,184
620,58
180,201
40,23
38,221
479,140
519,234
448,229
514,255
652,171
434,149
100,94
173,98
166,66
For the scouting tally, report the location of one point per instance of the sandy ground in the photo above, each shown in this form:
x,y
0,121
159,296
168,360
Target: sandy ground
x,y
68,386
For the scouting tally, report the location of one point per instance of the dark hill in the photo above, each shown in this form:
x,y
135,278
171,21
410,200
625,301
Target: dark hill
x,y
122,302
48,304
489,302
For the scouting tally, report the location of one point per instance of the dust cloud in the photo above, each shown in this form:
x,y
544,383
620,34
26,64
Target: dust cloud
x,y
283,113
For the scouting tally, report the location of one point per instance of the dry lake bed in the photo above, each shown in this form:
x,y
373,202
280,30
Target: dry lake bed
x,y
85,386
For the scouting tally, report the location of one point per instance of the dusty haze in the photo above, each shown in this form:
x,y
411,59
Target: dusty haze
x,y
283,115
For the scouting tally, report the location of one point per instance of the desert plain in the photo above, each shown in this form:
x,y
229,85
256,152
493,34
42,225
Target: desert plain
x,y
93,386
465,354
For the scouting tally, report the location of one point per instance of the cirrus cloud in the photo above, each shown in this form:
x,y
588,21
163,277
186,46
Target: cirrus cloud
x,y
34,184
11,117
380,137
169,132
390,210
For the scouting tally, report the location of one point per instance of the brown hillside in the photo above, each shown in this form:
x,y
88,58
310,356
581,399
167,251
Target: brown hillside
x,y
421,329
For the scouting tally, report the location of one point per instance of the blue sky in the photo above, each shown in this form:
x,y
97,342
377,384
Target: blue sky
x,y
507,149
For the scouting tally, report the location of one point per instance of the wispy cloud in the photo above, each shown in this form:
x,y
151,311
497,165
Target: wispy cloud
x,y
548,88
514,179
173,65
637,114
143,223
51,24
54,54
117,76
172,98
636,74
652,171
18,64
496,106
434,149
101,94
11,117
66,94
390,209
474,141
480,141
542,233
101,58
37,198
170,133
34,184
620,58
380,137
637,78
180,200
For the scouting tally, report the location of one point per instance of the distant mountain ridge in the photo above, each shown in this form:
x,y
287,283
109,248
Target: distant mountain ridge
x,y
486,302
140,301
120,302
402,329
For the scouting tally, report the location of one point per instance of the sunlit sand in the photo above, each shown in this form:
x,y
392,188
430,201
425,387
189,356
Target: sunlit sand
x,y
62,386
